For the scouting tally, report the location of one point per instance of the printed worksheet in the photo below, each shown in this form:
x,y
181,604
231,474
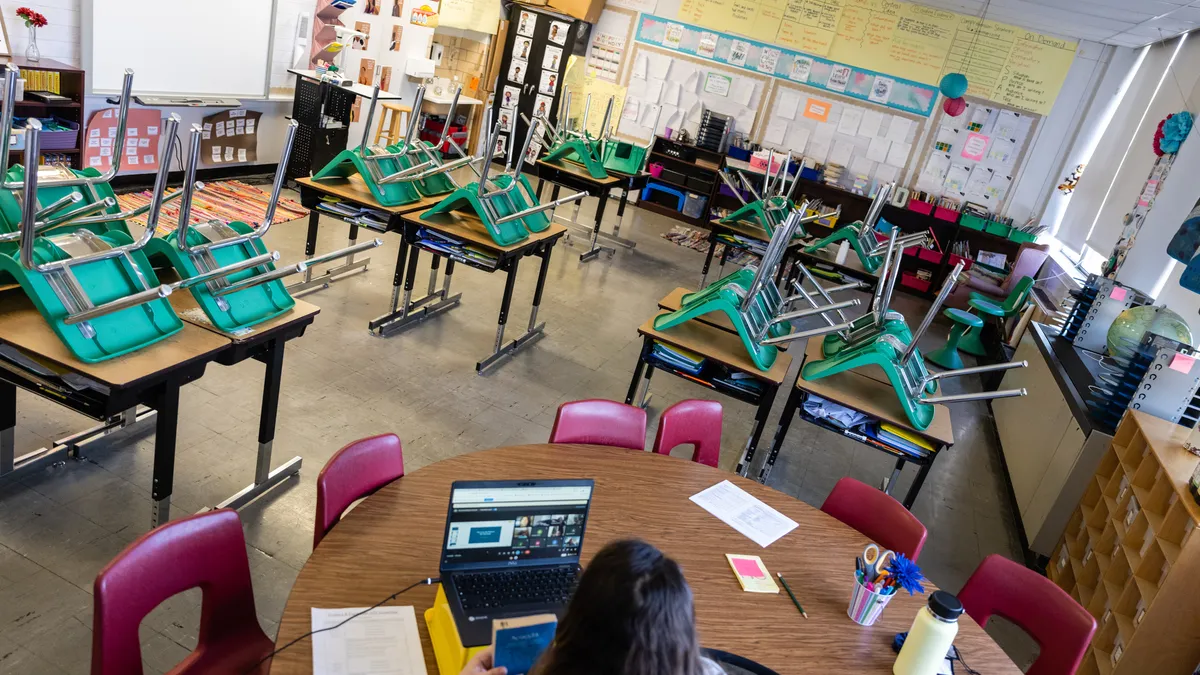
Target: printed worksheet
x,y
744,512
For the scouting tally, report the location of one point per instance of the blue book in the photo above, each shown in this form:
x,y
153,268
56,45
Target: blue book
x,y
520,641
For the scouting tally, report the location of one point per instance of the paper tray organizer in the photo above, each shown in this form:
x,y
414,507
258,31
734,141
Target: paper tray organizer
x,y
448,648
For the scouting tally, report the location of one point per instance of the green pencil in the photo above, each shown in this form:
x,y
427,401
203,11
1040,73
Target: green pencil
x,y
791,594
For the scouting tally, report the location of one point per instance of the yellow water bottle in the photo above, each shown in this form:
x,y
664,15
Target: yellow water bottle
x,y
931,636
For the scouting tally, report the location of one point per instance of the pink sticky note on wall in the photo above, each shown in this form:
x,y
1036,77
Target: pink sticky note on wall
x,y
748,568
1117,293
1182,363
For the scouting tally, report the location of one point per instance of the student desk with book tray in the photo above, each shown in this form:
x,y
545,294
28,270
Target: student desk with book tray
x,y
461,237
353,193
748,230
723,357
823,264
573,175
129,389
877,400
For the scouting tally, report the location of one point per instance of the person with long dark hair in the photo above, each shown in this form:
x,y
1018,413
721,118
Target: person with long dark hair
x,y
631,614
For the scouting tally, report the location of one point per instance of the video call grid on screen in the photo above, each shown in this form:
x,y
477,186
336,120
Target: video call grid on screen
x,y
516,524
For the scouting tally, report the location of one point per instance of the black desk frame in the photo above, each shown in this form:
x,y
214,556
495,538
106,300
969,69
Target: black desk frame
x,y
408,312
310,198
647,364
562,178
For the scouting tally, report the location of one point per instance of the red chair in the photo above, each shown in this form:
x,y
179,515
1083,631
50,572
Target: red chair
x,y
354,472
1061,627
597,421
206,551
877,515
692,422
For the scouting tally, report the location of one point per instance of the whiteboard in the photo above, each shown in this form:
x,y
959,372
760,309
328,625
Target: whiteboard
x,y
176,47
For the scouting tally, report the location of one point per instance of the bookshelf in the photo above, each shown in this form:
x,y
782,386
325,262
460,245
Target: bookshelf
x,y
1128,554
59,78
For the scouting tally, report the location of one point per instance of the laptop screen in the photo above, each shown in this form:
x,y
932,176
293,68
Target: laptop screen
x,y
515,522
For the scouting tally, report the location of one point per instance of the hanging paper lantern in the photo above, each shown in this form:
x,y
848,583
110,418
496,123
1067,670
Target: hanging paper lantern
x,y
954,106
954,85
1174,129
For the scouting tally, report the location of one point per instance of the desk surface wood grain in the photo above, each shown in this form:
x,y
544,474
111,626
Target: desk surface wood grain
x,y
353,189
394,538
468,227
578,170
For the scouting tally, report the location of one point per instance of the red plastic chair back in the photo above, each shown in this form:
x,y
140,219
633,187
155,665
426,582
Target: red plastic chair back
x,y
597,421
1061,627
876,514
691,422
354,472
207,551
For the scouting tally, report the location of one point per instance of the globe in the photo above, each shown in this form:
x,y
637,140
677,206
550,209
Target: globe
x,y
1130,325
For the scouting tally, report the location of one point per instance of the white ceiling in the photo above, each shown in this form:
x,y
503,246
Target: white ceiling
x,y
1129,23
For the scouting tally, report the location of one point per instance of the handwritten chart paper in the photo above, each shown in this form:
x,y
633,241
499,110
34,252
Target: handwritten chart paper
x,y
745,513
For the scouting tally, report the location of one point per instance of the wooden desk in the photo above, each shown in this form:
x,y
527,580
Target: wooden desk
x,y
874,397
469,230
573,175
745,229
725,355
351,191
674,300
823,259
109,391
394,538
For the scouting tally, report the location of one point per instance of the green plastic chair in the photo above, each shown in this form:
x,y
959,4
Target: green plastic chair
x,y
985,305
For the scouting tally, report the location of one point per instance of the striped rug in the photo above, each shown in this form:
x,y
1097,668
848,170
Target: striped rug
x,y
225,201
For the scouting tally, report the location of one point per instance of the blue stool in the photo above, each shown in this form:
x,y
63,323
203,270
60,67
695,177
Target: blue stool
x,y
947,356
663,188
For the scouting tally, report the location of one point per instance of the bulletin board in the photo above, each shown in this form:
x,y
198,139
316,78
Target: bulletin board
x,y
975,157
684,87
609,42
873,143
141,139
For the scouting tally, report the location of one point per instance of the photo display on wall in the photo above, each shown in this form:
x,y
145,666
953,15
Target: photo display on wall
x,y
535,62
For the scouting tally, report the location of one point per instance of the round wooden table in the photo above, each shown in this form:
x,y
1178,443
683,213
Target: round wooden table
x,y
394,538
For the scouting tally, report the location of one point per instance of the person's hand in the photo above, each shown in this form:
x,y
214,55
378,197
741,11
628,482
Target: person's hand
x,y
481,664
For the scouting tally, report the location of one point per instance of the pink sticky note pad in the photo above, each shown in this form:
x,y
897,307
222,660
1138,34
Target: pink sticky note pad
x,y
748,568
1117,293
1182,363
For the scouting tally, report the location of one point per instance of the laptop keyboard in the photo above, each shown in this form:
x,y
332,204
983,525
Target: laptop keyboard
x,y
503,588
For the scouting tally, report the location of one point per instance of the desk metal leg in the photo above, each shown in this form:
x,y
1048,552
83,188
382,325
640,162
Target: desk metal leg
x,y
910,497
165,430
323,280
541,182
534,332
760,422
724,257
785,423
8,427
642,364
712,248
264,477
412,312
595,248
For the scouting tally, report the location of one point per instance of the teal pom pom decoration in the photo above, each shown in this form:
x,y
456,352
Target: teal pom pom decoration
x,y
954,85
1175,131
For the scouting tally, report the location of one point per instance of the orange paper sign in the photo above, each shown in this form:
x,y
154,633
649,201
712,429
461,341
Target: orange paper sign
x,y
817,110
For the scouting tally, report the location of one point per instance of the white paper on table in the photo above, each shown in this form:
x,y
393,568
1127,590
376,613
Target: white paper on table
x,y
798,140
743,90
776,130
745,513
872,120
886,174
898,130
824,133
653,91
786,105
898,154
384,641
862,166
877,151
851,117
841,152
817,151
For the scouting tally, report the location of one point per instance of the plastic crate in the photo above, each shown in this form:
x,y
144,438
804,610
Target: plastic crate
x,y
693,205
998,229
739,153
924,208
948,215
911,281
1021,237
53,140
973,222
955,259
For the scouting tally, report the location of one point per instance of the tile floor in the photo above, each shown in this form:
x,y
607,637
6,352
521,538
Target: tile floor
x,y
57,529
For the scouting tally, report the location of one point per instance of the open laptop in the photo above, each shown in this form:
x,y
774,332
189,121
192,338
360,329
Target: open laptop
x,y
511,549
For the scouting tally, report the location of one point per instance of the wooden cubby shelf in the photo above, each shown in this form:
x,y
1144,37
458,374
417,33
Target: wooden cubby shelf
x,y
1128,557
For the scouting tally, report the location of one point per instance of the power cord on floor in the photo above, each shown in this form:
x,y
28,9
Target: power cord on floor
x,y
424,582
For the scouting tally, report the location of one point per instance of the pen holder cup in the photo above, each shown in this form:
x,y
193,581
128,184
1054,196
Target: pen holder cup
x,y
866,605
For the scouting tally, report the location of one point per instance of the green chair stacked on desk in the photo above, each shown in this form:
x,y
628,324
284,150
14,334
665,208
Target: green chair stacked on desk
x,y
769,208
985,306
506,203
92,284
567,144
402,173
904,366
861,235
755,306
226,266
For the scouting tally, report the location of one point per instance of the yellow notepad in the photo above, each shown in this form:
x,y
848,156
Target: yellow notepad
x,y
751,573
906,435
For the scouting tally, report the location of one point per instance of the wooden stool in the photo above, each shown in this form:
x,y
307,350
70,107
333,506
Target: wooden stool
x,y
391,117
